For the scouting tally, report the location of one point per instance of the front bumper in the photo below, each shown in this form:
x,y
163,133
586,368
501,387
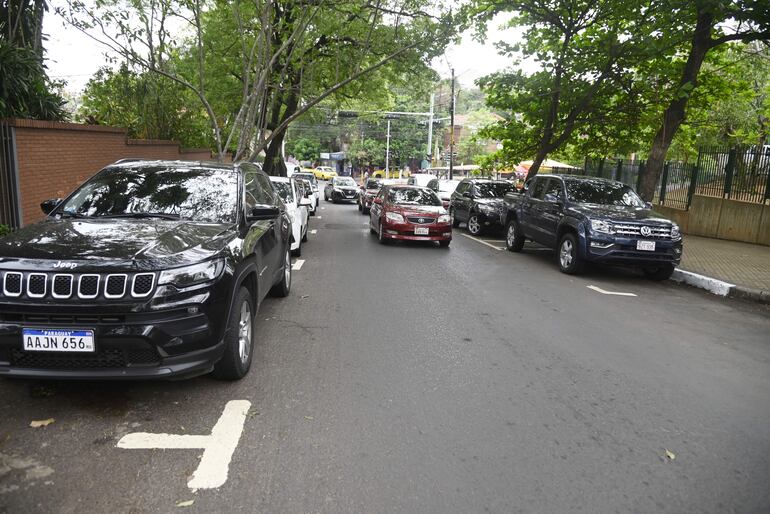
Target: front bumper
x,y
341,197
622,250
405,231
490,219
133,342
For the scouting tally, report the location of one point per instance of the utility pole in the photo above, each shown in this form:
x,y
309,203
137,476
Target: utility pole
x,y
430,130
452,129
387,153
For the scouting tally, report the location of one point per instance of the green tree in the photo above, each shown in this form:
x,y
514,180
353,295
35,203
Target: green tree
x,y
304,149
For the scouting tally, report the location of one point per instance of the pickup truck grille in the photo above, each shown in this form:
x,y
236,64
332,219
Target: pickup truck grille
x,y
85,286
641,230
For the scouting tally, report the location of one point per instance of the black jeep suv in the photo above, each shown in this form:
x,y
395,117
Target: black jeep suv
x,y
150,269
592,219
479,203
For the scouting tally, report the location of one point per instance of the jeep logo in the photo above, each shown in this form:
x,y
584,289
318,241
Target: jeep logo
x,y
65,265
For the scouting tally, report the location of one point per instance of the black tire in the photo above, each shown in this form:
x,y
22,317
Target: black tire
x,y
312,213
304,236
474,225
366,210
317,202
455,221
360,207
659,273
236,359
444,244
283,287
514,239
298,251
380,238
568,256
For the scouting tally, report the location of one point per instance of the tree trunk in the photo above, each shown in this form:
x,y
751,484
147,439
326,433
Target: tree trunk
x,y
274,163
675,113
542,153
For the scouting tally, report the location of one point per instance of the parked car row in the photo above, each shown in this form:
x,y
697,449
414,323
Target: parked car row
x,y
149,269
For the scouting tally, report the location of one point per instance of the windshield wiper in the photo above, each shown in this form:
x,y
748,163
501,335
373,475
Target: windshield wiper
x,y
137,215
66,214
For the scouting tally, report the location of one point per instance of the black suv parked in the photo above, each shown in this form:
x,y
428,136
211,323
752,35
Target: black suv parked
x,y
592,219
479,203
150,269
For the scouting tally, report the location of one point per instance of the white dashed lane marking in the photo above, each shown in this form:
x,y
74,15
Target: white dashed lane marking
x,y
614,293
298,264
483,242
314,231
218,447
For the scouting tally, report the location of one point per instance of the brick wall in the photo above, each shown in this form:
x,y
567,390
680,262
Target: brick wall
x,y
54,158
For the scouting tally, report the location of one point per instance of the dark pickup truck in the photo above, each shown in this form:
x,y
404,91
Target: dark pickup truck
x,y
592,220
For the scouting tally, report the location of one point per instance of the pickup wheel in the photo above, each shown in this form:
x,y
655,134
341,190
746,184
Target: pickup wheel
x,y
570,261
514,239
474,225
282,288
239,339
659,273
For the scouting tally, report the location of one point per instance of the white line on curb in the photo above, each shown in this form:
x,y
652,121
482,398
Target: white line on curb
x,y
298,265
483,242
218,448
718,287
602,291
314,231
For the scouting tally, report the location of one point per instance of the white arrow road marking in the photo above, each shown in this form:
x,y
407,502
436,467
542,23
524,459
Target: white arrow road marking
x,y
602,291
314,231
218,448
319,217
483,242
298,264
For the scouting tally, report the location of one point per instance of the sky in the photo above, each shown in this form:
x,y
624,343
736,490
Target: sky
x,y
74,57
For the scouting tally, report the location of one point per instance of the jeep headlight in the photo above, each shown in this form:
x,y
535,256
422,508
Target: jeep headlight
x,y
604,227
192,275
675,232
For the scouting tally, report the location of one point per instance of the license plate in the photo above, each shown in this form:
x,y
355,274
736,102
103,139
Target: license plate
x,y
51,340
421,231
647,246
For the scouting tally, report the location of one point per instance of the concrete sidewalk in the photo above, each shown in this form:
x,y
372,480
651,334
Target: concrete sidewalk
x,y
744,265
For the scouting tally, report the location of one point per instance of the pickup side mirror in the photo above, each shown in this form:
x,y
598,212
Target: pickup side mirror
x,y
378,200
49,205
263,212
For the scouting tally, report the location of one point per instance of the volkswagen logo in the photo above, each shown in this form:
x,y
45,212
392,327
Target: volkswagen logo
x,y
646,231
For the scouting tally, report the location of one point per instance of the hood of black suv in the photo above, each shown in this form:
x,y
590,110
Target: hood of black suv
x,y
141,243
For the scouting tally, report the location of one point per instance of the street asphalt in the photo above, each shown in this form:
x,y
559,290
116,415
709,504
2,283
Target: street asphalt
x,y
411,378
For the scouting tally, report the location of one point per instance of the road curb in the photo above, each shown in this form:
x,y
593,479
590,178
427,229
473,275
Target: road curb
x,y
712,285
720,287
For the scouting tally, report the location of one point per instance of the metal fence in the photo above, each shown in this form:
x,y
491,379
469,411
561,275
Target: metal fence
x,y
10,213
738,173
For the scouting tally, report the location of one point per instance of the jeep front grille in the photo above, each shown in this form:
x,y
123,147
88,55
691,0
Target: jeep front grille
x,y
65,286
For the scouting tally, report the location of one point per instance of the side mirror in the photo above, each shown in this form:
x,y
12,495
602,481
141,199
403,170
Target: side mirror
x,y
378,200
446,204
308,193
467,194
263,212
49,205
648,205
307,202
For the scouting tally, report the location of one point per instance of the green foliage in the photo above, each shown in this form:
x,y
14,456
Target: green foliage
x,y
25,91
148,105
4,229
304,149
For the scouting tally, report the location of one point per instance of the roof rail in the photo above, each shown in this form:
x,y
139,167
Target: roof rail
x,y
129,159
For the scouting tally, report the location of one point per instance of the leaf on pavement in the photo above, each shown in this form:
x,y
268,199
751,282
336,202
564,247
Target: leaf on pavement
x,y
309,418
304,296
187,503
671,455
41,423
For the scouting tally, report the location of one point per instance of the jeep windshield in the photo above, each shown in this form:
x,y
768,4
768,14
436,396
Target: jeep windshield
x,y
602,192
196,194
493,189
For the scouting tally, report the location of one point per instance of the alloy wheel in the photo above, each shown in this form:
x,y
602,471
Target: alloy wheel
x,y
511,235
566,254
473,224
245,333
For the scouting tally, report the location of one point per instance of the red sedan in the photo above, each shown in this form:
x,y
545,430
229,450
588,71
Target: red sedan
x,y
410,213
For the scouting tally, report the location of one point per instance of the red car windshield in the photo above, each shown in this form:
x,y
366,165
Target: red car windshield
x,y
413,196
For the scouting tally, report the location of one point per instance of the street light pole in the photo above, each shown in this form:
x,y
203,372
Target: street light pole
x,y
430,130
387,153
452,129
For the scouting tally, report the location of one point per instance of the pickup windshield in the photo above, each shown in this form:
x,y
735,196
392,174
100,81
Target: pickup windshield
x,y
198,194
602,192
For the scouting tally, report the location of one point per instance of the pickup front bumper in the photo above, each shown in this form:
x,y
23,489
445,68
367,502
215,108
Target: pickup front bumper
x,y
624,251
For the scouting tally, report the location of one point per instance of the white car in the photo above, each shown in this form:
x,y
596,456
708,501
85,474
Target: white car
x,y
313,182
444,188
420,179
297,207
310,193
